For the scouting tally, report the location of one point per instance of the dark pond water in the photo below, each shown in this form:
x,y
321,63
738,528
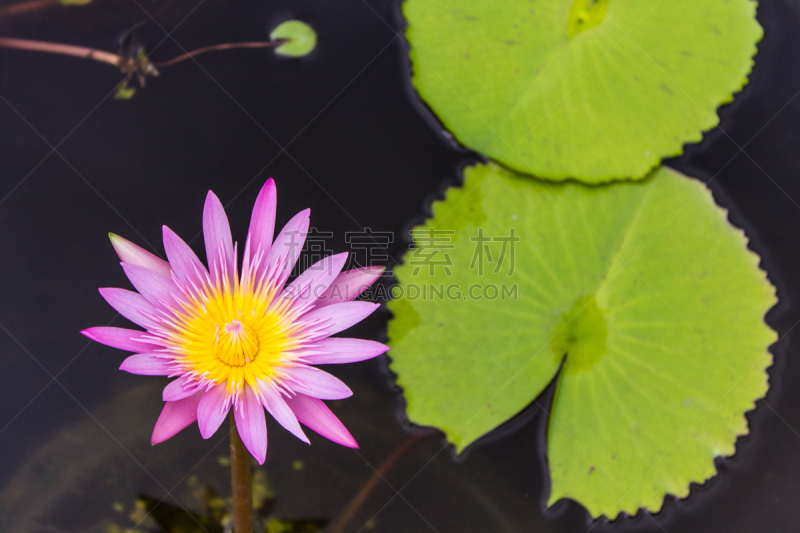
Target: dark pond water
x,y
343,134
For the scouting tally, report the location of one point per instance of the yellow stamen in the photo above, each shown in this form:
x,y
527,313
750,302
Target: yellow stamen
x,y
232,336
237,345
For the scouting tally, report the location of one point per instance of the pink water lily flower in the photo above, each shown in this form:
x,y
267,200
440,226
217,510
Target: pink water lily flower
x,y
248,342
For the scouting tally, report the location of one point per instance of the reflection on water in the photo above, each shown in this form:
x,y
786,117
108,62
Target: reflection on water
x,y
100,475
82,479
78,477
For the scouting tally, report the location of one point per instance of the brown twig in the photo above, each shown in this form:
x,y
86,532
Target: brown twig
x,y
377,476
226,46
132,60
63,49
25,7
118,60
241,483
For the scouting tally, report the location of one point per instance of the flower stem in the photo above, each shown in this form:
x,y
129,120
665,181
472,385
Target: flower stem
x,y
241,483
226,46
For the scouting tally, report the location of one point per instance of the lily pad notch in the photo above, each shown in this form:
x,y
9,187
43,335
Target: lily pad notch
x,y
647,290
301,38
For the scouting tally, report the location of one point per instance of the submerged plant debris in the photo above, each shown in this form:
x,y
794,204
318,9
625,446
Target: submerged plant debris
x,y
292,38
156,515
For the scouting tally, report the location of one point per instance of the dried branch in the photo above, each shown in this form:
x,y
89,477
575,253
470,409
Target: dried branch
x,y
63,49
25,7
226,46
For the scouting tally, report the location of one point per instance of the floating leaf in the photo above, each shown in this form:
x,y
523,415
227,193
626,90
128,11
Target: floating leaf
x,y
124,91
302,38
643,291
590,89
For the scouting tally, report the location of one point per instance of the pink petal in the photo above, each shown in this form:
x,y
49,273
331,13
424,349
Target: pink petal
x,y
312,283
135,255
336,350
317,383
177,390
121,338
316,415
217,236
287,247
340,316
262,223
211,411
251,424
349,285
174,417
131,305
159,290
146,364
185,264
275,404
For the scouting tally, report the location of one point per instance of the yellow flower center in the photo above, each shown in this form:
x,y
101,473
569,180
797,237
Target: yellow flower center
x,y
234,337
236,344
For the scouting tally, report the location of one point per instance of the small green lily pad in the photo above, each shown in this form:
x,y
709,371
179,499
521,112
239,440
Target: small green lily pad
x,y
594,90
302,38
643,291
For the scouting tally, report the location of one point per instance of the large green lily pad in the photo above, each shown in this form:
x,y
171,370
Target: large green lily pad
x,y
590,89
645,293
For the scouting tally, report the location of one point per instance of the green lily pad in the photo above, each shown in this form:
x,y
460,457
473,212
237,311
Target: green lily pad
x,y
301,38
591,89
643,291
